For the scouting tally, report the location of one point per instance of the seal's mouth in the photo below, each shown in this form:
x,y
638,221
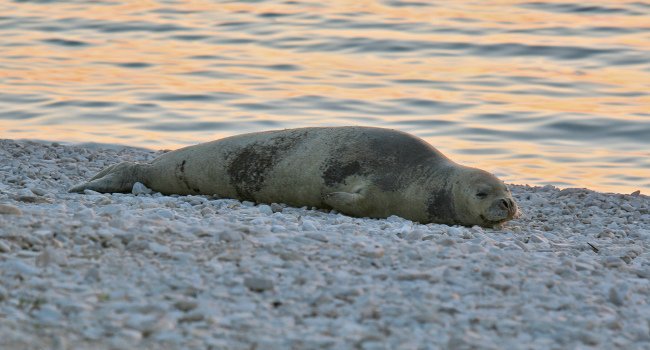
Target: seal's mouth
x,y
492,222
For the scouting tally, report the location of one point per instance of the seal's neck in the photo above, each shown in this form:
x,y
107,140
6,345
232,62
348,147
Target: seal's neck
x,y
440,182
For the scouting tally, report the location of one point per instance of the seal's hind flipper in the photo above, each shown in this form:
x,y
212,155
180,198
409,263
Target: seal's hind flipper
x,y
345,202
104,171
116,178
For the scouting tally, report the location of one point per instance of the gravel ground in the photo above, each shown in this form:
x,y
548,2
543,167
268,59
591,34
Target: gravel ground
x,y
146,271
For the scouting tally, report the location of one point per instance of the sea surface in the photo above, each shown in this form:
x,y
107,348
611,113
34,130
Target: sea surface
x,y
537,92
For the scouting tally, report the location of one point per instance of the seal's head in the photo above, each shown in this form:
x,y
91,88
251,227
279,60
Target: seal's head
x,y
482,199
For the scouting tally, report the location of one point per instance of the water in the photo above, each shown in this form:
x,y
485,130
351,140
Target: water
x,y
537,92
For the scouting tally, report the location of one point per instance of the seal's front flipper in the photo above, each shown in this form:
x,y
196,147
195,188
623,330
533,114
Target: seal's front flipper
x,y
345,202
116,178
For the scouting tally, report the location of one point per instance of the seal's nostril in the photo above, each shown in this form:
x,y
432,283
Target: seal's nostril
x,y
504,204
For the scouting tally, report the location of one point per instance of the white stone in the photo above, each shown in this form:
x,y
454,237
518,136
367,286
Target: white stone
x,y
16,266
139,188
6,209
230,236
258,284
265,209
158,248
4,247
308,225
617,295
48,315
317,236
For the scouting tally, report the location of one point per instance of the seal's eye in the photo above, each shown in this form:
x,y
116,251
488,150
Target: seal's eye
x,y
481,195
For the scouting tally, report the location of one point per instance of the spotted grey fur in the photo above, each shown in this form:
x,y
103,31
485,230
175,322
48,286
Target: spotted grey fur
x,y
360,171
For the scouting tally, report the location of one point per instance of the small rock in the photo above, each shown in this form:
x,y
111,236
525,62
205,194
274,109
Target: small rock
x,y
165,213
24,192
230,236
92,275
186,305
415,235
258,284
265,209
4,247
617,295
589,338
642,272
18,267
158,248
374,252
137,245
316,236
537,239
207,211
148,323
38,191
192,317
48,315
278,228
308,226
627,207
50,256
447,242
139,188
6,209
454,231
613,261
413,275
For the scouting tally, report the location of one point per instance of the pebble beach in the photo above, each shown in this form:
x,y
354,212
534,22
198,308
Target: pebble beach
x,y
147,271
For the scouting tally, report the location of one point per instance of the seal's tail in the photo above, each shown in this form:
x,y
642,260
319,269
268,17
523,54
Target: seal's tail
x,y
116,178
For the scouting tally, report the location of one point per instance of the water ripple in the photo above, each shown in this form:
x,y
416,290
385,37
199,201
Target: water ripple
x,y
371,45
579,8
212,97
65,42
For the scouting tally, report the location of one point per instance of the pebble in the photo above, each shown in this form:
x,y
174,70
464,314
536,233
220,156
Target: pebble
x,y
317,236
258,284
414,235
186,305
48,315
265,209
18,267
277,208
230,236
374,251
38,191
538,239
159,248
139,188
4,247
6,209
617,295
309,226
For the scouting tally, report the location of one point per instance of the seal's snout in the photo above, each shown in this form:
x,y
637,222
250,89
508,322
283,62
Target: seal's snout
x,y
507,205
503,209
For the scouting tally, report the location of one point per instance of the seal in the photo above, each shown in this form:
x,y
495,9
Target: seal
x,y
358,171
